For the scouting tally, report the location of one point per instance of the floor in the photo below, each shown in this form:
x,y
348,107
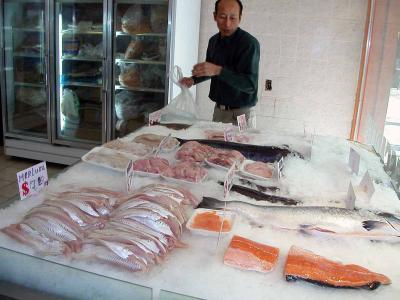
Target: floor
x,y
9,166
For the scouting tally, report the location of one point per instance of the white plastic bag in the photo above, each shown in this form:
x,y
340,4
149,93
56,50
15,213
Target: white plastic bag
x,y
70,104
183,108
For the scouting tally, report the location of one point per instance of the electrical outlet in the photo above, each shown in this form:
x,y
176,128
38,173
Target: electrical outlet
x,y
268,85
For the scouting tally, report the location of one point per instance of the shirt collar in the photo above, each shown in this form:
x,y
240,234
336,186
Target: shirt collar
x,y
228,39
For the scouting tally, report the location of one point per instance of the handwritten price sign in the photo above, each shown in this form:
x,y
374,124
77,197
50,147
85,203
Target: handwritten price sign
x,y
229,134
32,180
241,120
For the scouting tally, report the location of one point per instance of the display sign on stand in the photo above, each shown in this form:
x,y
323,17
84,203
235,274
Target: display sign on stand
x,y
351,197
32,180
229,134
277,173
228,181
129,175
242,122
354,161
155,117
367,185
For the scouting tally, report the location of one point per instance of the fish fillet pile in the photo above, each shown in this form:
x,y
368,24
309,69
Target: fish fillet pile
x,y
305,265
129,231
154,165
246,254
129,147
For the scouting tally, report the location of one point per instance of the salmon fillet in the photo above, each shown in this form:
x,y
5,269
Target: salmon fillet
x,y
209,220
246,254
306,265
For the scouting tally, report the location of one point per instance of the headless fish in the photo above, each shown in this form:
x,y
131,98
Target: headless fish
x,y
316,220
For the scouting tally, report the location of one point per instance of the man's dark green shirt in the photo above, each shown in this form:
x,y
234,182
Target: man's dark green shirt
x,y
239,56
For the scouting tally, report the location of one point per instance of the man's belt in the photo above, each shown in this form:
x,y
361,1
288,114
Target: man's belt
x,y
226,107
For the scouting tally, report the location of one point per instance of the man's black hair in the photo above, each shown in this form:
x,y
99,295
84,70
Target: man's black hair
x,y
238,1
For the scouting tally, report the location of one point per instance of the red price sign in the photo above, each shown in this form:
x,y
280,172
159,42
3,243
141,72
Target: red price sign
x,y
242,122
229,134
32,180
25,189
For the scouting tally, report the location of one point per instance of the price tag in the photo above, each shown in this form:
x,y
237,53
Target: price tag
x,y
32,180
367,185
155,117
351,197
229,134
354,161
242,122
278,166
228,180
130,173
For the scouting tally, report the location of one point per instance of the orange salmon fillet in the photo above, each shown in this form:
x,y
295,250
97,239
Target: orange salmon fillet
x,y
211,221
246,254
306,265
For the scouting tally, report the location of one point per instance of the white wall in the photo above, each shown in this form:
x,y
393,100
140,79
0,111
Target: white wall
x,y
311,50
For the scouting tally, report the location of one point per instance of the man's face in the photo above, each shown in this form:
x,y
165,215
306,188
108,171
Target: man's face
x,y
227,17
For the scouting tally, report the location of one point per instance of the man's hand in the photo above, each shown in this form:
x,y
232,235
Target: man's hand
x,y
206,69
187,81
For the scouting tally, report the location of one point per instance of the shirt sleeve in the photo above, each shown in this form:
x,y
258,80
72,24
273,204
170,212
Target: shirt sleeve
x,y
245,79
197,80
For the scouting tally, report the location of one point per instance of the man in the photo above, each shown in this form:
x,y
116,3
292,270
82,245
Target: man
x,y
232,64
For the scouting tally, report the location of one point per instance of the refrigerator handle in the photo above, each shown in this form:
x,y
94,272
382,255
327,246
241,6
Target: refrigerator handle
x,y
46,66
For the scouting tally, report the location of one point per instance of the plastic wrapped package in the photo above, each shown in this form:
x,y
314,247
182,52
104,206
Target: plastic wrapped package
x,y
32,96
153,77
134,21
90,51
159,18
130,75
128,105
70,104
134,49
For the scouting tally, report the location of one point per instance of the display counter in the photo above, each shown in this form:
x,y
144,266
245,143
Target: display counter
x,y
320,178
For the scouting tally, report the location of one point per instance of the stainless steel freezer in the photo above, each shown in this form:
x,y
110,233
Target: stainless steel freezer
x,y
79,73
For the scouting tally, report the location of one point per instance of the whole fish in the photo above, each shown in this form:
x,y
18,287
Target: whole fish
x,y
254,152
260,196
316,219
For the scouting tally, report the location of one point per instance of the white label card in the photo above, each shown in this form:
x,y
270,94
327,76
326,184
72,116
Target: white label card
x,y
228,180
351,197
354,161
242,122
278,166
155,117
229,134
367,185
129,174
32,180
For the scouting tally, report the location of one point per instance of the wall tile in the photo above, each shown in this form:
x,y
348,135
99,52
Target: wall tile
x,y
310,8
341,9
288,46
270,45
310,49
346,30
358,9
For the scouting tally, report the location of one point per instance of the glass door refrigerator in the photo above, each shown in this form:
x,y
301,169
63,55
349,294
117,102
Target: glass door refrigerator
x,y
80,81
140,62
77,73
25,85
